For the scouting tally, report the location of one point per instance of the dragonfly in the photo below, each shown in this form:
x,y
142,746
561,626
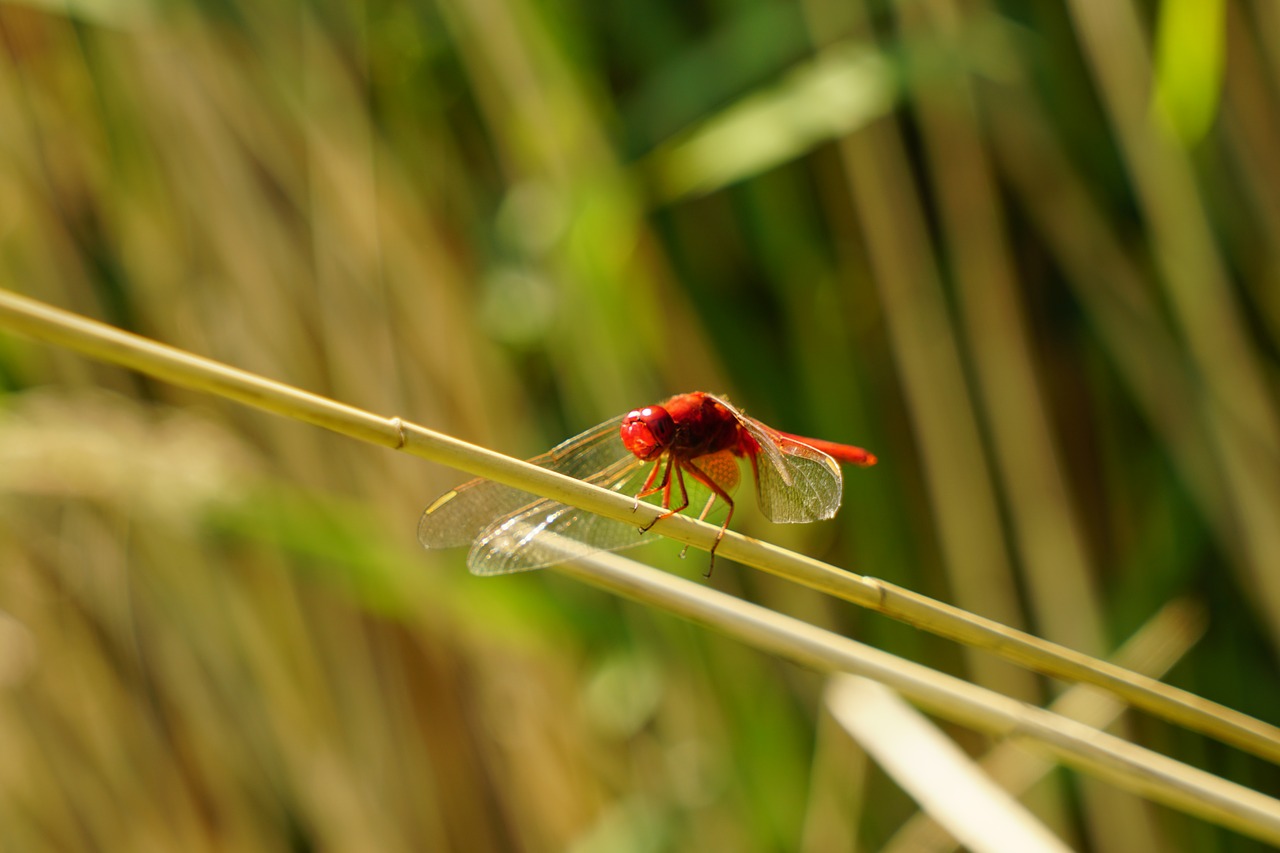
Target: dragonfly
x,y
645,454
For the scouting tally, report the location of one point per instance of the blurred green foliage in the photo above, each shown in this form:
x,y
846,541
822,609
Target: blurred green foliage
x,y
1026,253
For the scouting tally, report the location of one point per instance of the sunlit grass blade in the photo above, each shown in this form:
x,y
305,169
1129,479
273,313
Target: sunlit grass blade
x,y
1190,55
946,783
839,91
1159,645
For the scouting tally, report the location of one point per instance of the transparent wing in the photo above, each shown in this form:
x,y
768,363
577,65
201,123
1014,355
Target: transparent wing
x,y
546,532
794,481
458,516
511,530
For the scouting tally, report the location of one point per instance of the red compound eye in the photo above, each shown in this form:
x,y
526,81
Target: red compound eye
x,y
647,432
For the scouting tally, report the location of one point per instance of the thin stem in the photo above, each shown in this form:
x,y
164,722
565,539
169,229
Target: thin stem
x,y
104,342
1075,744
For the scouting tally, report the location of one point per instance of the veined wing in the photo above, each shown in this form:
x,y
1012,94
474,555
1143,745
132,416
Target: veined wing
x,y
794,481
549,532
511,530
457,517
546,532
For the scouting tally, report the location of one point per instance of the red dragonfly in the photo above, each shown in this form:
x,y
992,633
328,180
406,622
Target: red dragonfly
x,y
646,454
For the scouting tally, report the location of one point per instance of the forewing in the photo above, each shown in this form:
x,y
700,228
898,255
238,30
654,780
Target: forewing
x,y
794,482
511,530
457,517
548,532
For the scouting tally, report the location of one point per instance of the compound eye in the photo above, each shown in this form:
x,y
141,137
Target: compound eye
x,y
647,432
660,424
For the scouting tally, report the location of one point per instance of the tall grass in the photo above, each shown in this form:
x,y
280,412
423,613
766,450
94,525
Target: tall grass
x,y
969,236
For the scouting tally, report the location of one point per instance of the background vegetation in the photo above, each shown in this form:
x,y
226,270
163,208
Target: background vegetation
x,y
1026,253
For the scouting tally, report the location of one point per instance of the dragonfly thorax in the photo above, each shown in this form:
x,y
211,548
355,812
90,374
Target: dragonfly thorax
x,y
686,426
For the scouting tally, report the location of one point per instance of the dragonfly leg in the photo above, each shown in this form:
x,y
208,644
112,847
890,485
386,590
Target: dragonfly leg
x,y
666,496
684,495
650,489
701,517
716,492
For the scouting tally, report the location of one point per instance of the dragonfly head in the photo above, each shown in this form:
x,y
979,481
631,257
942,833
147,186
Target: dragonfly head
x,y
648,432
